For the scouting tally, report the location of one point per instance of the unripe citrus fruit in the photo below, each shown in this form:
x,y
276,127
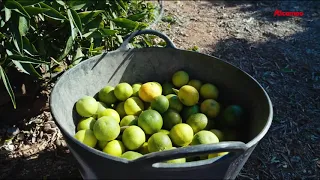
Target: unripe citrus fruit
x,y
144,148
101,107
174,102
181,134
187,111
197,122
210,108
196,84
136,88
232,115
209,91
102,144
120,109
106,128
188,95
86,106
204,137
171,118
110,112
114,148
86,123
129,120
133,137
218,133
180,78
133,106
159,142
131,155
160,87
160,104
180,160
167,88
148,91
150,121
165,131
106,95
86,137
123,91
217,155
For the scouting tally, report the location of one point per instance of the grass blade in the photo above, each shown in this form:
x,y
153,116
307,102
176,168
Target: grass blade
x,y
7,85
25,59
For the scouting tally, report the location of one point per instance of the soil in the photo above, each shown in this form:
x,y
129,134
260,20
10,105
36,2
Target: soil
x,y
282,53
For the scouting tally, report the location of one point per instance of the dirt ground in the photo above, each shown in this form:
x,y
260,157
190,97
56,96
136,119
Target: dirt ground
x,y
282,53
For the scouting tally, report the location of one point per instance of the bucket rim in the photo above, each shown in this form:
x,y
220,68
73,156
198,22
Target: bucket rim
x,y
249,144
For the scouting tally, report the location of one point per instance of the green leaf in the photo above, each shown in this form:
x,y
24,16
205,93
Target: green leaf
x,y
27,68
61,3
17,41
77,5
92,14
95,23
7,13
93,34
2,36
89,33
76,20
24,25
31,70
28,47
28,2
25,59
7,85
52,13
107,32
137,17
13,5
66,49
87,16
35,10
2,23
123,5
77,57
73,30
20,67
125,23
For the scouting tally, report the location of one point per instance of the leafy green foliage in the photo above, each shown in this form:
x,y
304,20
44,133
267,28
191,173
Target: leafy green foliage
x,y
46,33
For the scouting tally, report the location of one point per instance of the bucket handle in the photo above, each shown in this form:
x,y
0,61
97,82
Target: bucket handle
x,y
169,43
235,149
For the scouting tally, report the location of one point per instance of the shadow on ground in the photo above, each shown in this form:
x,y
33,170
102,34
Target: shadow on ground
x,y
55,164
289,69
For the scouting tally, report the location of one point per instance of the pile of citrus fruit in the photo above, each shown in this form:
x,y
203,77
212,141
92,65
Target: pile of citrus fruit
x,y
129,121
